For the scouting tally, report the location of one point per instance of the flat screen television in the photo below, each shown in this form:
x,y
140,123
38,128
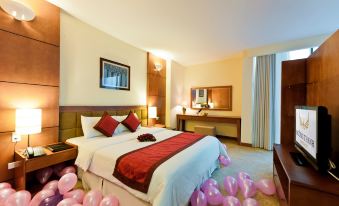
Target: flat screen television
x,y
313,134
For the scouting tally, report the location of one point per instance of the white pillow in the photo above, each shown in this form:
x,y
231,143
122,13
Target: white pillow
x,y
87,124
120,127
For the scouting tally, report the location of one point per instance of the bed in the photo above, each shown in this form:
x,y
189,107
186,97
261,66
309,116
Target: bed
x,y
172,182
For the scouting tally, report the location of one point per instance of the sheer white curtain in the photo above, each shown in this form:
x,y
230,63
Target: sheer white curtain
x,y
263,117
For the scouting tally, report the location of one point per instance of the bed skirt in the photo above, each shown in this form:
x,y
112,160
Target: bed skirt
x,y
92,181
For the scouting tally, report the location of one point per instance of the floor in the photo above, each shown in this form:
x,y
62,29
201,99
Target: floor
x,y
257,163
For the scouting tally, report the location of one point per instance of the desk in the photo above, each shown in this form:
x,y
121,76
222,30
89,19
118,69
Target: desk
x,y
181,118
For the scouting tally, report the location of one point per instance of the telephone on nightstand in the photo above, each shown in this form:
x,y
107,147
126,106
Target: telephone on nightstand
x,y
31,152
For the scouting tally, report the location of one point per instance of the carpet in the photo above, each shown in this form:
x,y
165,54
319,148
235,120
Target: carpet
x,y
256,162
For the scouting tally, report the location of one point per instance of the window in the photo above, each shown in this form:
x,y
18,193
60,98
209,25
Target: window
x,y
301,53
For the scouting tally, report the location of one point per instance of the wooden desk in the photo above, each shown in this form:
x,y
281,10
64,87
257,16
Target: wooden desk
x,y
210,118
299,186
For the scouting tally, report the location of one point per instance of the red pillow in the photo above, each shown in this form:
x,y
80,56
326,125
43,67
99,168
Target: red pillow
x,y
106,125
131,122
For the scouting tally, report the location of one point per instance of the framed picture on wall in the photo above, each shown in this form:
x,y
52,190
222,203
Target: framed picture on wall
x,y
114,75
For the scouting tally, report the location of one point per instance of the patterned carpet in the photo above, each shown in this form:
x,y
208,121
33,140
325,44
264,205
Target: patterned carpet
x,y
257,163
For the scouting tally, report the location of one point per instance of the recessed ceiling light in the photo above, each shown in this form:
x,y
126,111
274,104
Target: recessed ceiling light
x,y
18,10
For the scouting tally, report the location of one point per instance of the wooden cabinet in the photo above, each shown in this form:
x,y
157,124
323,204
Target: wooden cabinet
x,y
297,185
36,163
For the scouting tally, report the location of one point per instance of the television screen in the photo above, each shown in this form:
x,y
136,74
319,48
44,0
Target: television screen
x,y
306,130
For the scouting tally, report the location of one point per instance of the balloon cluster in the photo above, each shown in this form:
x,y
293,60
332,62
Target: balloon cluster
x,y
209,192
56,192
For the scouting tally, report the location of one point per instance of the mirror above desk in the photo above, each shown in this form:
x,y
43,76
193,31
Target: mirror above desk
x,y
212,98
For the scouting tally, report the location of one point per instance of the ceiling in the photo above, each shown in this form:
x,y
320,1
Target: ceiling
x,y
197,31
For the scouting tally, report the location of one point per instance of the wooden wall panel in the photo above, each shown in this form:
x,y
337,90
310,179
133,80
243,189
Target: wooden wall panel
x,y
29,76
45,26
156,86
323,85
27,61
293,92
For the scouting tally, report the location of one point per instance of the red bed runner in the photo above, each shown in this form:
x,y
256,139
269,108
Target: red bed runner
x,y
135,169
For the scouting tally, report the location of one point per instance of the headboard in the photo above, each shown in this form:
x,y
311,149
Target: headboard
x,y
70,117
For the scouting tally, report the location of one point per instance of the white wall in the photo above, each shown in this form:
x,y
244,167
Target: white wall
x,y
177,93
80,50
247,96
221,73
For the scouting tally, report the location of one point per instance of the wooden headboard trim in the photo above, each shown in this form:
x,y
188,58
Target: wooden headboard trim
x,y
98,108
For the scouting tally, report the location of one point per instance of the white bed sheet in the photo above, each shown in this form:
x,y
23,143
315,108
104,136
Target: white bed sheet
x,y
172,182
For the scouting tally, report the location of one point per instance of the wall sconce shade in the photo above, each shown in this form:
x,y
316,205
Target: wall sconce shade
x,y
152,112
28,121
157,67
18,10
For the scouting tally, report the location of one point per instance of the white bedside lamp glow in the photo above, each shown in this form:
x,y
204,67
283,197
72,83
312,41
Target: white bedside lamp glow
x,y
152,112
28,121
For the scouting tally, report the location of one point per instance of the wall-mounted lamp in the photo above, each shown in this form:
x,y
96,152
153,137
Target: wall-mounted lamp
x,y
157,67
18,10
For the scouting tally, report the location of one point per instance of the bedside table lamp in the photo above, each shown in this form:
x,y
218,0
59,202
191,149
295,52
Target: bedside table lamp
x,y
152,113
28,121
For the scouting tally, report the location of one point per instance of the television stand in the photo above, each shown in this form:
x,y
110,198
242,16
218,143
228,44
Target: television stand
x,y
299,159
301,186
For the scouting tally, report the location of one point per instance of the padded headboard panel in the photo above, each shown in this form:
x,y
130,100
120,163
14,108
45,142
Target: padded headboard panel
x,y
70,117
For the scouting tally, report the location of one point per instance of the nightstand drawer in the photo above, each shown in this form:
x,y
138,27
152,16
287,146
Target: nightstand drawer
x,y
49,160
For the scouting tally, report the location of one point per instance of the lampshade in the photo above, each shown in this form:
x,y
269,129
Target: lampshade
x,y
28,121
152,112
18,10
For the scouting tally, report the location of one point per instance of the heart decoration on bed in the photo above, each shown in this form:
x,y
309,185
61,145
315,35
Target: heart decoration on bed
x,y
146,138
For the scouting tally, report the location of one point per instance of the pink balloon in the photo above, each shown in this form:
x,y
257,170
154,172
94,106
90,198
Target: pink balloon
x,y
224,160
20,198
230,201
231,185
77,204
250,202
209,182
67,202
243,175
69,169
198,198
109,200
58,168
4,194
248,188
213,195
52,185
224,145
5,185
266,186
92,198
40,196
77,194
67,182
44,174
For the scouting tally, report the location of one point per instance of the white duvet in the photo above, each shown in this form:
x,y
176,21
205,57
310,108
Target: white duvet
x,y
172,182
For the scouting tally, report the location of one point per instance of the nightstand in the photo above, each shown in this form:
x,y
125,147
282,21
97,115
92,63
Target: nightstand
x,y
159,125
29,165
